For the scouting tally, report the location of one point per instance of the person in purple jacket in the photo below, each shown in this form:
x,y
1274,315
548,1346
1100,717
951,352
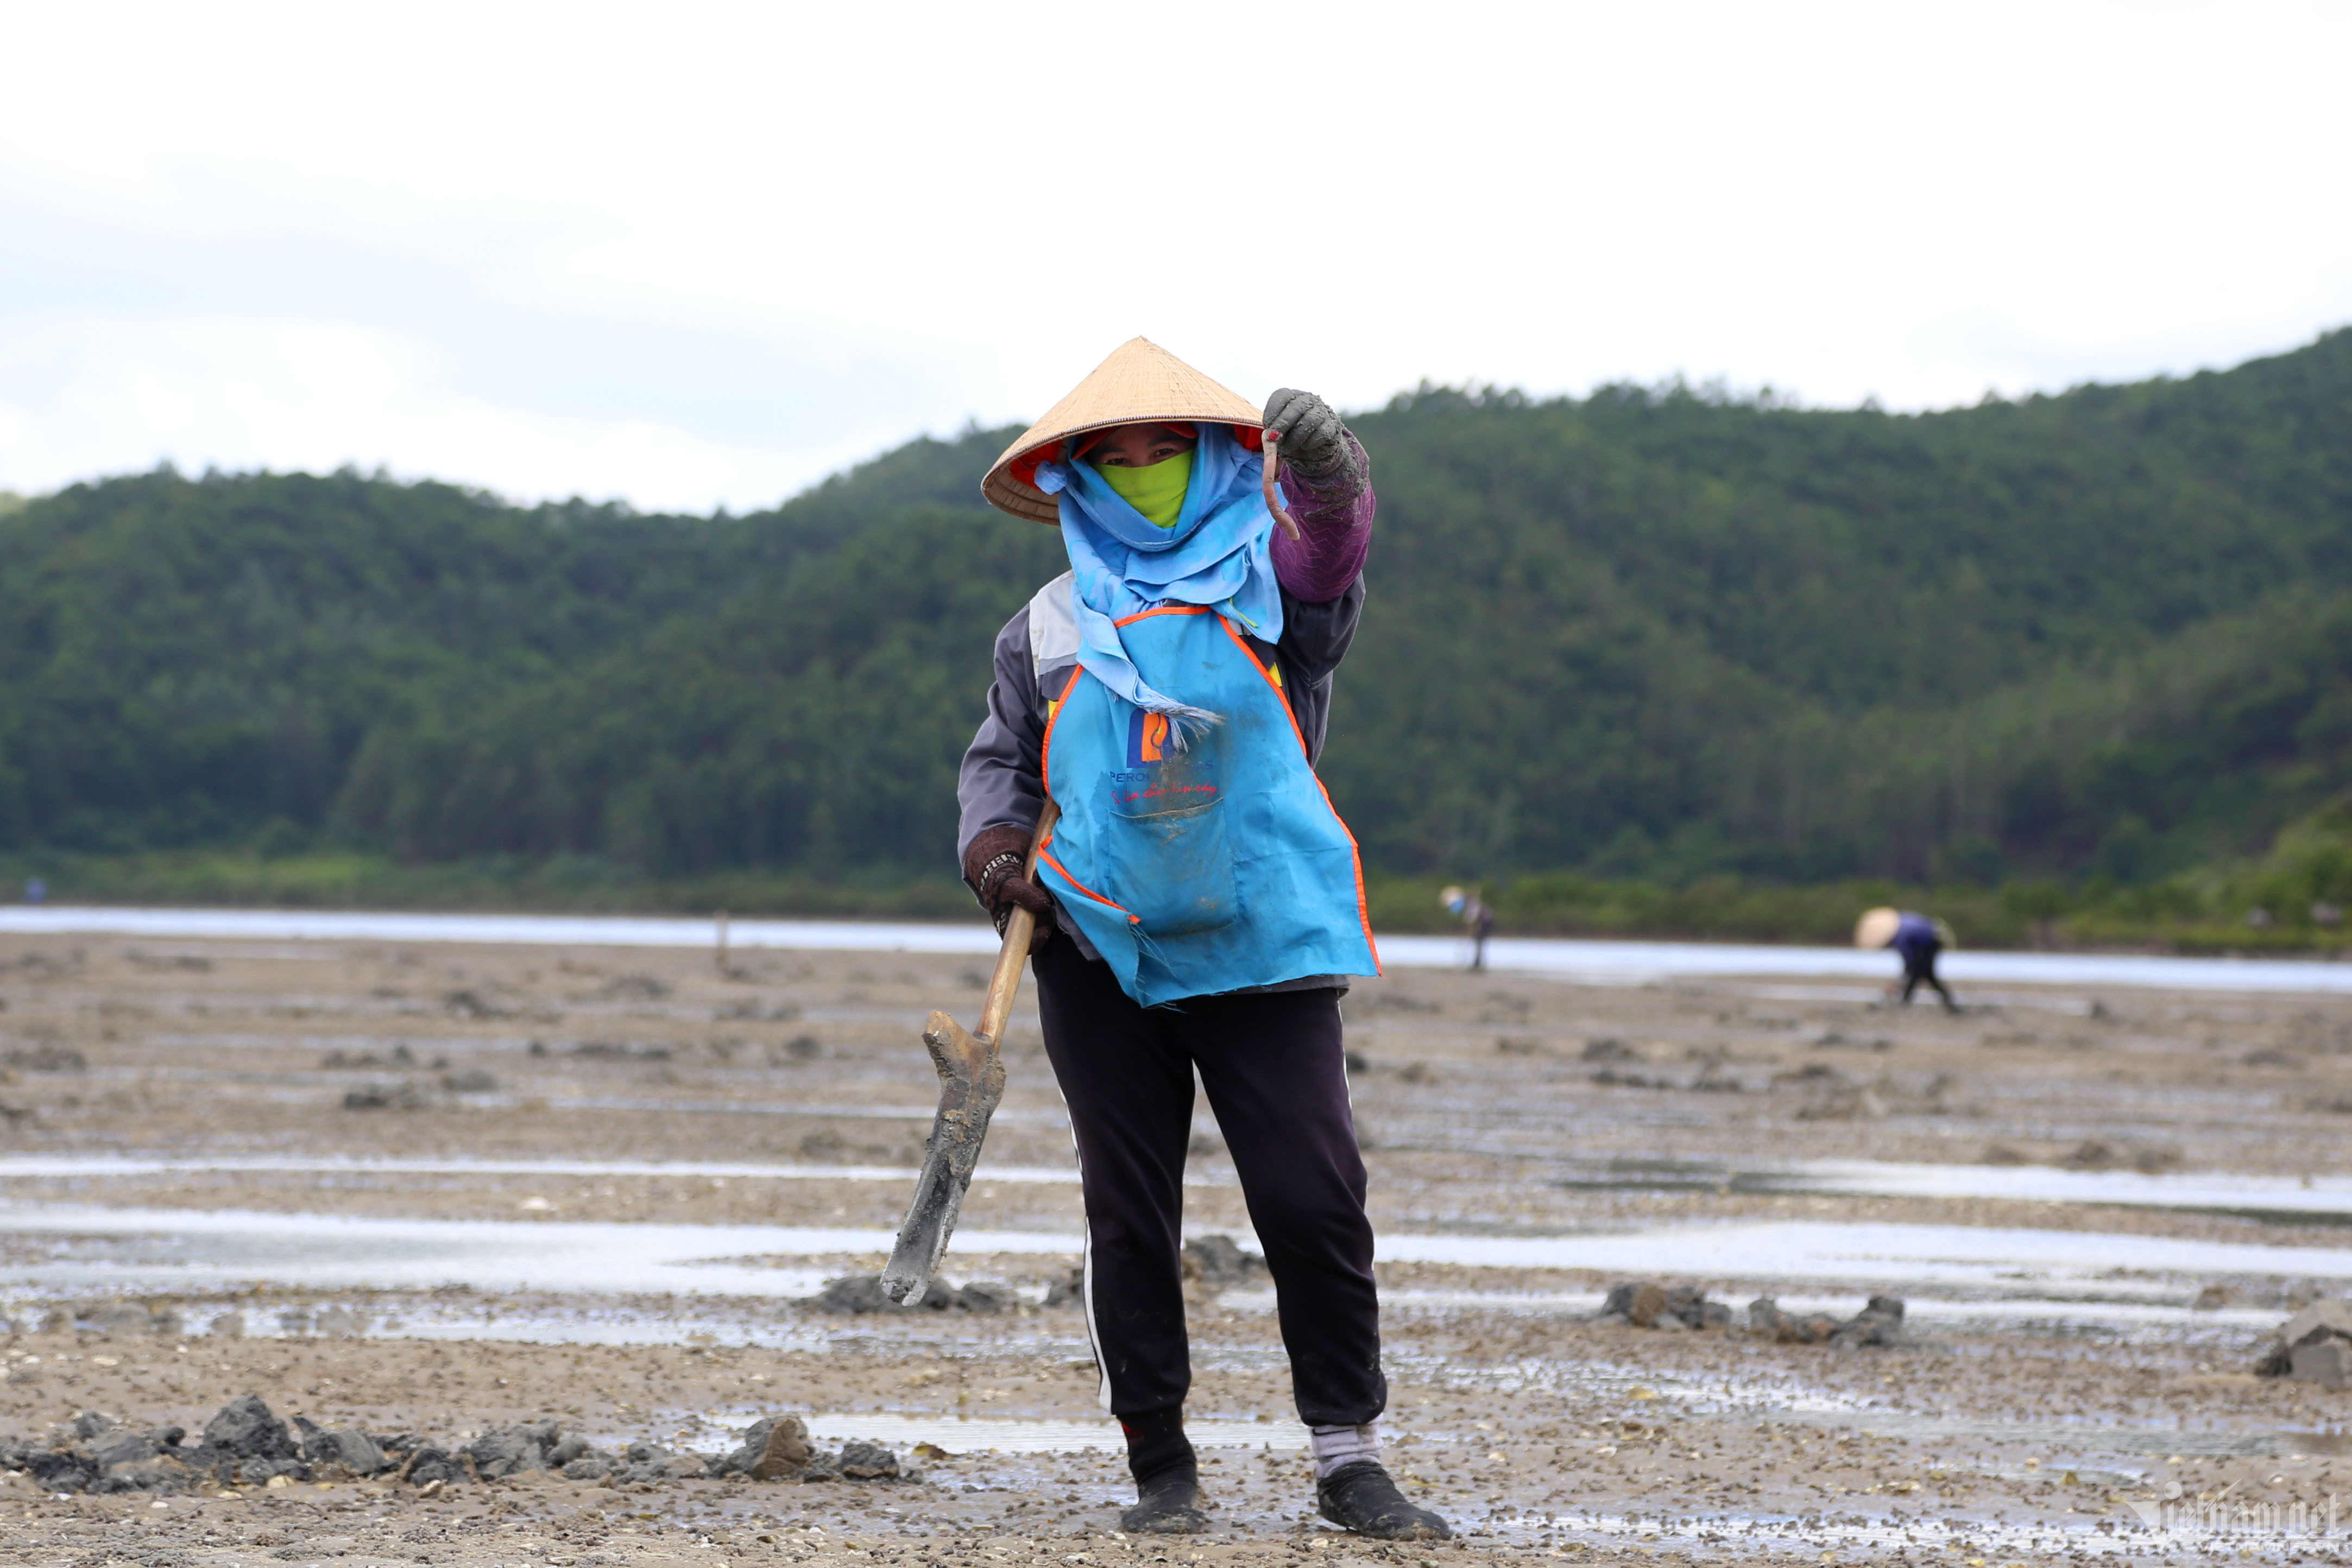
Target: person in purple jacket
x,y
1199,899
1917,939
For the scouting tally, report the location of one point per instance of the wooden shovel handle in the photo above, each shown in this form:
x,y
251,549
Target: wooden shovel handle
x,y
1019,928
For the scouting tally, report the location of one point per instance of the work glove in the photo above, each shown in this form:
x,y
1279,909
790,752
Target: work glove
x,y
1314,442
992,868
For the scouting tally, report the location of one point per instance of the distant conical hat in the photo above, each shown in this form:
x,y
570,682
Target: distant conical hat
x,y
1140,382
1876,927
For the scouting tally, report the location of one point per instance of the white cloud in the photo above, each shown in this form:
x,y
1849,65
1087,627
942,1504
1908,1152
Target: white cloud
x,y
240,393
704,253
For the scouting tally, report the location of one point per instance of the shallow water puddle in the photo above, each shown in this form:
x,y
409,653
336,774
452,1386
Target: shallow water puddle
x,y
1997,1259
2321,1200
2303,1198
91,1165
2310,1198
140,1248
960,1435
173,1249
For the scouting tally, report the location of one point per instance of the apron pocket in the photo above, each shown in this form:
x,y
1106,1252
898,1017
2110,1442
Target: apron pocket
x,y
1175,869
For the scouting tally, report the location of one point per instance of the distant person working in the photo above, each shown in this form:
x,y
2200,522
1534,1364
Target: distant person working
x,y
1476,919
1918,938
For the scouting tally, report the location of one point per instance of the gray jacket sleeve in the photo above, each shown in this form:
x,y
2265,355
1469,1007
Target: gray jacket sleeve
x,y
1002,781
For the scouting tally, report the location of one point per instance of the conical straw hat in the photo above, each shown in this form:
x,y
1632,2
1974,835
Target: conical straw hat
x,y
1876,927
1141,381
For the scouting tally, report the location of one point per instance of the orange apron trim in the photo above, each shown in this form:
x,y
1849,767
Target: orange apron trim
x,y
1082,887
1164,610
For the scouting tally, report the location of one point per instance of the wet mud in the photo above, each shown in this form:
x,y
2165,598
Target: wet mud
x,y
450,1190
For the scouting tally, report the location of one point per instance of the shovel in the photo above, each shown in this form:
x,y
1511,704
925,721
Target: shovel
x,y
971,1081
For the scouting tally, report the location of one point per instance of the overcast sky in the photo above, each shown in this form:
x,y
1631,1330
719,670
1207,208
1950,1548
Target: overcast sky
x,y
700,254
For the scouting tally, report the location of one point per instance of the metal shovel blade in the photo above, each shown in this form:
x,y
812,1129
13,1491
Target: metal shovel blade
x,y
971,1081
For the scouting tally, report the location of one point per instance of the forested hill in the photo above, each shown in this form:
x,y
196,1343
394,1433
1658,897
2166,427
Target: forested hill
x,y
1651,632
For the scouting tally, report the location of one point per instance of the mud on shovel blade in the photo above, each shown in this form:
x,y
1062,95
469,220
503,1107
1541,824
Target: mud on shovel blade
x,y
971,1081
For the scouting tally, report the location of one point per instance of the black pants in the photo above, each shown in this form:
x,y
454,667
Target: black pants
x,y
1922,967
1277,1080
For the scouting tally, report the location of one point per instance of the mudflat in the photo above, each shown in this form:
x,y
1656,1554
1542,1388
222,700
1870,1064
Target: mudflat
x,y
436,1190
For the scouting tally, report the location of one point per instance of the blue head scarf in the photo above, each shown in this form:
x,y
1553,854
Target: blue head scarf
x,y
1219,554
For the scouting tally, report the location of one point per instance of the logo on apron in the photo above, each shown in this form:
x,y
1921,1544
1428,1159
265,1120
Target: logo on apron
x,y
1147,737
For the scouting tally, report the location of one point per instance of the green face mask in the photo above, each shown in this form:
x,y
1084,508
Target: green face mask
x,y
1158,491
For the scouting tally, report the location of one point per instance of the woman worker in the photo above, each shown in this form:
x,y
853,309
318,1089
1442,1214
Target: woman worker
x,y
1914,937
1201,905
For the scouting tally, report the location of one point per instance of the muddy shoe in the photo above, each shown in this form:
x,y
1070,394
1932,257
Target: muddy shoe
x,y
1361,1496
1169,1504
1166,1475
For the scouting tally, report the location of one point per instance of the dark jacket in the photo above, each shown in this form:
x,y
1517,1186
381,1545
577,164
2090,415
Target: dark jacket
x,y
1917,939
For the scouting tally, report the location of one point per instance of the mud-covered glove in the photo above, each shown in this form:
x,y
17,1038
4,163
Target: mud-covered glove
x,y
992,868
1314,442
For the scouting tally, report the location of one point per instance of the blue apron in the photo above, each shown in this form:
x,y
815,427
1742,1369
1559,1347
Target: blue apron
x,y
1208,868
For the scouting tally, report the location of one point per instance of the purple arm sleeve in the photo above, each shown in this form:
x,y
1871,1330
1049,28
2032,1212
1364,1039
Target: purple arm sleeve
x,y
1334,532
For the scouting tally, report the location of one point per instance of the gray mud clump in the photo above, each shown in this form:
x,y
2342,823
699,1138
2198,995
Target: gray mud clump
x,y
2313,1347
857,1293
1646,1304
776,1449
1220,1260
1878,1326
245,1444
386,1097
